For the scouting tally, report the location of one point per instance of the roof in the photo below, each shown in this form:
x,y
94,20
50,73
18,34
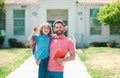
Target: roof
x,y
93,1
30,2
21,2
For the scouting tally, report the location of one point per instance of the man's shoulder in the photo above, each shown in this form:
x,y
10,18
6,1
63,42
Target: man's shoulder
x,y
68,39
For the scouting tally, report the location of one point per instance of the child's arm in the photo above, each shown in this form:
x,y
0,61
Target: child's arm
x,y
32,34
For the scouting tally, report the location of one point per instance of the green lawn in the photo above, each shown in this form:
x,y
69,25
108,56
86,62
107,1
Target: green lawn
x,y
10,59
101,62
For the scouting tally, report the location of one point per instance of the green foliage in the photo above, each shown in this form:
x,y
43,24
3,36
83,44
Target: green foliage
x,y
1,41
2,8
110,13
12,42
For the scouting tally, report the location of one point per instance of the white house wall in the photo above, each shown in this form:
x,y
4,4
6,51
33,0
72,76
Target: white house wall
x,y
78,21
105,32
80,26
30,21
37,14
83,28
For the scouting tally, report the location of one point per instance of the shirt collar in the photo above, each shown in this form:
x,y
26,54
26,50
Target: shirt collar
x,y
58,37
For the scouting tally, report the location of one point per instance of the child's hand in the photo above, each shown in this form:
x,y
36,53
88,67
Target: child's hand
x,y
35,29
37,62
66,28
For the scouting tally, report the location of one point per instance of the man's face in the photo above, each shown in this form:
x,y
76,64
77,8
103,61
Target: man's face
x,y
59,29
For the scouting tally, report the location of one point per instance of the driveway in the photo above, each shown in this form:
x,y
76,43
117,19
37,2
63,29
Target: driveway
x,y
73,69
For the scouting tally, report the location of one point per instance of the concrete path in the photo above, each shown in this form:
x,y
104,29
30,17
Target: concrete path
x,y
73,69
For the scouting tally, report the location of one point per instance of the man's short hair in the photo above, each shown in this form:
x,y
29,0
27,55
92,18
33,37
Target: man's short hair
x,y
58,21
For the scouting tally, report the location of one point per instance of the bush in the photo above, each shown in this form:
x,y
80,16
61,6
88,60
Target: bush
x,y
26,45
20,45
112,44
1,41
12,42
99,44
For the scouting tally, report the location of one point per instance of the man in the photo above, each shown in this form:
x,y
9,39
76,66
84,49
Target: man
x,y
63,43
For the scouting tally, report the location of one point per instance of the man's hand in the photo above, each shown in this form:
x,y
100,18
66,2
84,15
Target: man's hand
x,y
59,60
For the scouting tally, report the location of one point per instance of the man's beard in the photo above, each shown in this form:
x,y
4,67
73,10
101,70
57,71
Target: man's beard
x,y
59,32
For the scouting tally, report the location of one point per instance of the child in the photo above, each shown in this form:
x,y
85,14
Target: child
x,y
41,48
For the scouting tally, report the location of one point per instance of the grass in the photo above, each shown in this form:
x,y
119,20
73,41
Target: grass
x,y
101,62
10,59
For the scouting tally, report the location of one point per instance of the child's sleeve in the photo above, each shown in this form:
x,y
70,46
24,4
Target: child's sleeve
x,y
33,44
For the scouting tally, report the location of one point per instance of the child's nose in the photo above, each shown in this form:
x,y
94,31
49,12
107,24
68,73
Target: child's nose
x,y
46,29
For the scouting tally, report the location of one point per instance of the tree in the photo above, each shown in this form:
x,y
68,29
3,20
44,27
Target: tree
x,y
2,8
2,12
110,14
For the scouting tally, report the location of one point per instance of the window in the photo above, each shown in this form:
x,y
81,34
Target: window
x,y
95,25
19,22
114,30
2,26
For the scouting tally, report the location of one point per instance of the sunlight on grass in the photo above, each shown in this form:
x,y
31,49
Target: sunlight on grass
x,y
12,58
101,62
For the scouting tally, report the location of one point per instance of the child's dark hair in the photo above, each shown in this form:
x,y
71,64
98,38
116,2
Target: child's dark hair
x,y
41,29
58,21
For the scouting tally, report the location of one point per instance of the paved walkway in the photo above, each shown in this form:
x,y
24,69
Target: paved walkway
x,y
73,69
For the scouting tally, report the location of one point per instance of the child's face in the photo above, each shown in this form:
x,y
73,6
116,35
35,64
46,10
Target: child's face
x,y
46,30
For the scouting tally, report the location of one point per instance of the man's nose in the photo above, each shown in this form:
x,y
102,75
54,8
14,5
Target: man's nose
x,y
59,28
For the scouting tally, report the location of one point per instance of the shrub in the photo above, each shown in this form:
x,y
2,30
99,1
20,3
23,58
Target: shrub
x,y
12,42
20,45
112,44
98,44
1,41
26,45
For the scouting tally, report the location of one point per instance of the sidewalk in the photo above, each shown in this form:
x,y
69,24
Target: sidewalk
x,y
73,69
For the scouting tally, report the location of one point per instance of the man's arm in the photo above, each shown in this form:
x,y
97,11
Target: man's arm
x,y
68,58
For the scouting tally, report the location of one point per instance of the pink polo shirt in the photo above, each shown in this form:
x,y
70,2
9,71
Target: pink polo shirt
x,y
63,43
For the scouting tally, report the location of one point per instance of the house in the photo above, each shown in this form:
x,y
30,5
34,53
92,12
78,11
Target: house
x,y
79,15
